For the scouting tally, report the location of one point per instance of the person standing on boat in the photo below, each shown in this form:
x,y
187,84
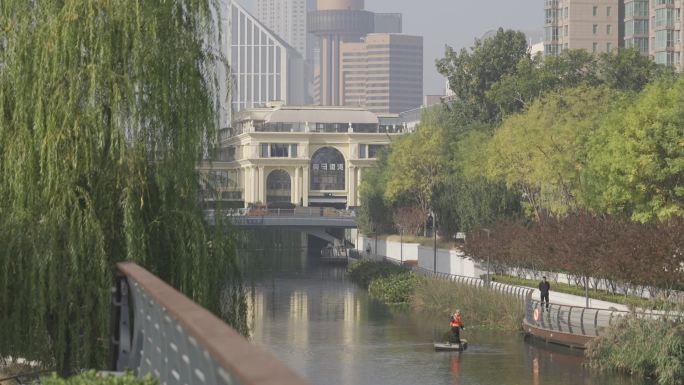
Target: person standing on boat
x,y
544,287
456,325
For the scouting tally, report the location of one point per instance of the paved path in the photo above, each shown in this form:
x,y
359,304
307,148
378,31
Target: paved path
x,y
575,300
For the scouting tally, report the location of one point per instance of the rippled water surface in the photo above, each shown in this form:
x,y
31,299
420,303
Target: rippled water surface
x,y
320,324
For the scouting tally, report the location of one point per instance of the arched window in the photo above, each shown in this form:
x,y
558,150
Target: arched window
x,y
278,187
327,170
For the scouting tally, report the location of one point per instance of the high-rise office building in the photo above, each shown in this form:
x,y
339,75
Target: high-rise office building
x,y
383,73
388,23
335,22
593,25
287,19
264,68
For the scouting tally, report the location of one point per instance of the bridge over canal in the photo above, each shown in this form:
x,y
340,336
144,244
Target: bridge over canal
x,y
322,222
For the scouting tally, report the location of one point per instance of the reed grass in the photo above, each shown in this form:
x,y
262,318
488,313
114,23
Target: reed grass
x,y
648,348
480,307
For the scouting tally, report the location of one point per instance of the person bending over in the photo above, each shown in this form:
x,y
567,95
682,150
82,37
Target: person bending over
x,y
456,325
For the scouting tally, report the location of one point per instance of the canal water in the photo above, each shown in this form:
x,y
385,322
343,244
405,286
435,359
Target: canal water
x,y
326,328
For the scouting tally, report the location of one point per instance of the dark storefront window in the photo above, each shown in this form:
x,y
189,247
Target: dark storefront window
x,y
327,170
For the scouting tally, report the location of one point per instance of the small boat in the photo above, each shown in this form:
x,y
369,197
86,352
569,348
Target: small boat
x,y
448,346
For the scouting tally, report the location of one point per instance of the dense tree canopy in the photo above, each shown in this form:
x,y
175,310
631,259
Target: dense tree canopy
x,y
570,163
105,110
471,73
636,165
418,168
542,151
625,69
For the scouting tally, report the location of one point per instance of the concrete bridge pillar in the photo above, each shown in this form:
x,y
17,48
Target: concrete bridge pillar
x,y
305,187
295,185
351,199
262,185
255,184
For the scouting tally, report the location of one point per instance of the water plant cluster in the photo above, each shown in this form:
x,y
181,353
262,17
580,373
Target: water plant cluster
x,y
365,271
648,348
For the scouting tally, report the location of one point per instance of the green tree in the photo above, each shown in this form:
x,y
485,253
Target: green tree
x,y
542,151
468,198
533,77
624,69
417,166
629,70
375,213
105,110
471,73
636,160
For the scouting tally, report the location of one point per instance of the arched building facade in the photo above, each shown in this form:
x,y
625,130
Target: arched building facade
x,y
317,153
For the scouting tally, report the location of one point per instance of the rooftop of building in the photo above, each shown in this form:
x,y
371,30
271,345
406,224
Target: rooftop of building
x,y
277,112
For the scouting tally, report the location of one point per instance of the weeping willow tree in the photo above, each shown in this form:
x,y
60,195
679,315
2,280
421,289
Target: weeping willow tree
x,y
105,109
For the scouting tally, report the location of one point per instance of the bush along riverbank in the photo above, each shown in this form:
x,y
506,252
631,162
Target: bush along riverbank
x,y
648,348
436,298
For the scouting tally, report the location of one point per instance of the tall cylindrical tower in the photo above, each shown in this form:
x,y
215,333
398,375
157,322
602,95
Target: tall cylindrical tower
x,y
335,22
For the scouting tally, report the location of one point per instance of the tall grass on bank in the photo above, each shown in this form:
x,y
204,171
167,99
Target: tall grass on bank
x,y
481,307
649,348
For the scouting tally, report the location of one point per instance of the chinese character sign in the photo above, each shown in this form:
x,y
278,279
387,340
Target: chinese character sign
x,y
327,170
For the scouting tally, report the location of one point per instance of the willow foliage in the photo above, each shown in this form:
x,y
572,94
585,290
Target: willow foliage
x,y
105,109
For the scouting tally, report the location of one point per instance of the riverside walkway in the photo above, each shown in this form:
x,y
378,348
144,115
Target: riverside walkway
x,y
566,321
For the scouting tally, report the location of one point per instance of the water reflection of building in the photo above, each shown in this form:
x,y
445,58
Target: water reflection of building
x,y
307,156
298,330
255,312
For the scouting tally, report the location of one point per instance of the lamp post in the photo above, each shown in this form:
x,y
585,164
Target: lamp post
x,y
487,231
434,243
401,244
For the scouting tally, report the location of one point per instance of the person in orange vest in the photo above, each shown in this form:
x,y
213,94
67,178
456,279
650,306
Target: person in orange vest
x,y
456,325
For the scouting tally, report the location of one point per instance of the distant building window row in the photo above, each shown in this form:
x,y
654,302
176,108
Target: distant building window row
x,y
370,151
278,150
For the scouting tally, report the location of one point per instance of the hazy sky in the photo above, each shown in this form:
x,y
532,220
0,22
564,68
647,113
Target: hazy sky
x,y
455,23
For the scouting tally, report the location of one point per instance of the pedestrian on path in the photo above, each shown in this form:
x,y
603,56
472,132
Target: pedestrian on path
x,y
544,287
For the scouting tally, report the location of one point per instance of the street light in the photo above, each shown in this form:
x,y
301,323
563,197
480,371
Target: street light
x,y
487,231
401,244
434,244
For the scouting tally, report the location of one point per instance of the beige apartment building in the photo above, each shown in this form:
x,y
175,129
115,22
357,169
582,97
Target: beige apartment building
x,y
593,25
654,27
383,73
665,32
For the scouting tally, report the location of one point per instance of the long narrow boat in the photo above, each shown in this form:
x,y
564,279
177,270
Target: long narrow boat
x,y
448,346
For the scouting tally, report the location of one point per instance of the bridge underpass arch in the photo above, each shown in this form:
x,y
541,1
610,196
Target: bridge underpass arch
x,y
278,187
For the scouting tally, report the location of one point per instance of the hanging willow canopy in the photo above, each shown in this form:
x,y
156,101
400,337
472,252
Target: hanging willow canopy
x,y
106,107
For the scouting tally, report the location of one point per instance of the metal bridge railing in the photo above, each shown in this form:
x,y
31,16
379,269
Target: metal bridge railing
x,y
299,212
179,342
516,291
576,320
